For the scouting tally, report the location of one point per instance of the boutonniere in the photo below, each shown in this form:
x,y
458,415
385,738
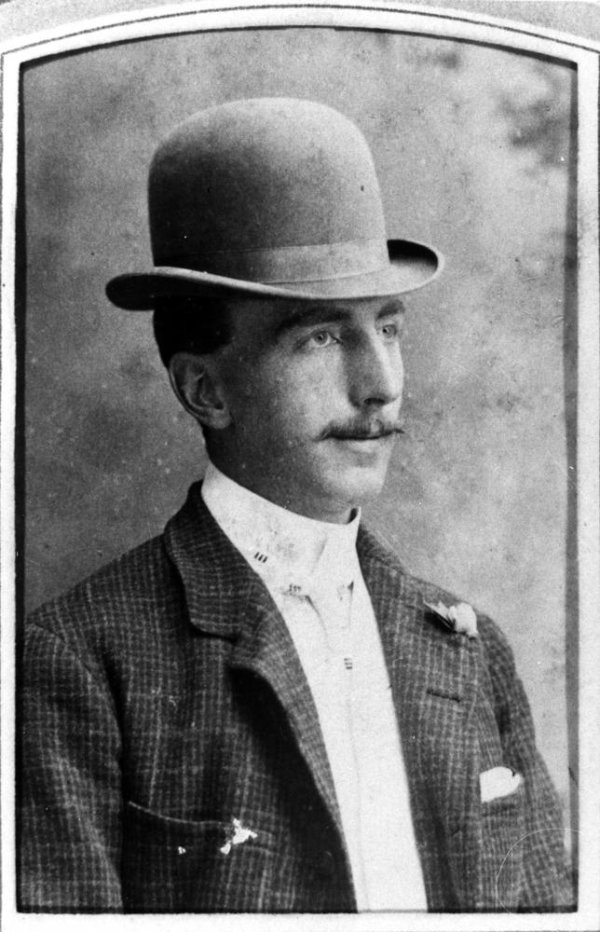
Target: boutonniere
x,y
459,618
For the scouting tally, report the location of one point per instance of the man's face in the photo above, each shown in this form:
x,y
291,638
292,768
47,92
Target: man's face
x,y
314,393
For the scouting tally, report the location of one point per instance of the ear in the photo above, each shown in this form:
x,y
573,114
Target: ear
x,y
196,383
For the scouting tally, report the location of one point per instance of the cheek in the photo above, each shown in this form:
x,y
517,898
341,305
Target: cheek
x,y
289,417
282,403
278,390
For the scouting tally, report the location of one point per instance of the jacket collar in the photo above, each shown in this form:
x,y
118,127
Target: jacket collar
x,y
213,572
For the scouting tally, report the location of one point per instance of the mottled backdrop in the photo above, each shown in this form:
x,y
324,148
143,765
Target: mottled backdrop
x,y
474,150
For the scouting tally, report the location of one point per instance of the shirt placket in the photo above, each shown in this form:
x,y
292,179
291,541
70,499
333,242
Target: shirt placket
x,y
333,605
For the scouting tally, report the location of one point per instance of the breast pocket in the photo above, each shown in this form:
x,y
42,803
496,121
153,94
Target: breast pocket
x,y
175,865
503,837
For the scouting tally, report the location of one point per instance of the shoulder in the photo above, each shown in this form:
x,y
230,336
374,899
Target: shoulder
x,y
118,601
133,573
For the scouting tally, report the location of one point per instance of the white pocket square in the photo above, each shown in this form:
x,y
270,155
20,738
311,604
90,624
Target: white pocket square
x,y
497,782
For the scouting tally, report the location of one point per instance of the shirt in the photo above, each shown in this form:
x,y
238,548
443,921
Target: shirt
x,y
312,572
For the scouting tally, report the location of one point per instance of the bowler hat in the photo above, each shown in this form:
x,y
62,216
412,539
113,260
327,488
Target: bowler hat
x,y
270,197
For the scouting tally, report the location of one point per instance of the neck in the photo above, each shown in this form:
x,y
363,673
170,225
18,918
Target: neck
x,y
315,508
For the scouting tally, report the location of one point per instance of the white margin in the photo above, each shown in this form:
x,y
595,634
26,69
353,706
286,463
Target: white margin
x,y
182,17
588,484
8,398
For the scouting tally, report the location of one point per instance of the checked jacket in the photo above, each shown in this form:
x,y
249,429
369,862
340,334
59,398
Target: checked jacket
x,y
162,699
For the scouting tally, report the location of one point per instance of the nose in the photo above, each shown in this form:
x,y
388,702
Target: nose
x,y
377,374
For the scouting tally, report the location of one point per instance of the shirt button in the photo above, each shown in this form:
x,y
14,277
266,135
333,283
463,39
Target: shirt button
x,y
326,864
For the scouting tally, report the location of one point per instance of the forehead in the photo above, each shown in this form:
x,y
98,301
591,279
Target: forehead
x,y
268,320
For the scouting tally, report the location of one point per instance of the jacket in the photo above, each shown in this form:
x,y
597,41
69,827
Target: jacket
x,y
165,716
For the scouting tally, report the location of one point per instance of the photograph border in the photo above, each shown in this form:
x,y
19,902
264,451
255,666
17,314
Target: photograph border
x,y
133,22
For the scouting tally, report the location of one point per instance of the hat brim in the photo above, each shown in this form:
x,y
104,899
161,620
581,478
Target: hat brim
x,y
411,266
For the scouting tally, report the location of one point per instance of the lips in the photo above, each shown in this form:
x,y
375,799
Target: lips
x,y
362,430
376,436
380,431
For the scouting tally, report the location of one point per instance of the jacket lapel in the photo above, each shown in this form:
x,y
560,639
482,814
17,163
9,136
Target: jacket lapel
x,y
265,647
433,674
227,599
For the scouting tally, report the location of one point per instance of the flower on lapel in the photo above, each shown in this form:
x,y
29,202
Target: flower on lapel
x,y
459,618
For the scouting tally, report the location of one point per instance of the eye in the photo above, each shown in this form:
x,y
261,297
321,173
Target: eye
x,y
321,338
390,331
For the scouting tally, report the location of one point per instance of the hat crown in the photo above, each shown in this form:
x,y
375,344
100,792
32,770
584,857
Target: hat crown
x,y
260,174
275,197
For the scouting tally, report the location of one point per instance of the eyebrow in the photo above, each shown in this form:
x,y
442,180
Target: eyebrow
x,y
326,314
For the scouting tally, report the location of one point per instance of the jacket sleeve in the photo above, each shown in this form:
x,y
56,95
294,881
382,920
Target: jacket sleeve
x,y
70,797
547,883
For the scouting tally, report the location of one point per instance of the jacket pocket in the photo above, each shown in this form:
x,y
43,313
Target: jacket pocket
x,y
176,865
503,837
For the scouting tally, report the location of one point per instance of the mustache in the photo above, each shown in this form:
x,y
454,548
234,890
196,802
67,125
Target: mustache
x,y
362,429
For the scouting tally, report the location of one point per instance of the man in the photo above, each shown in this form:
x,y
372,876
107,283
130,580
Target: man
x,y
260,710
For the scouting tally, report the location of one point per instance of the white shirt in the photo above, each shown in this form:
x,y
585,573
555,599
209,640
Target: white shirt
x,y
312,572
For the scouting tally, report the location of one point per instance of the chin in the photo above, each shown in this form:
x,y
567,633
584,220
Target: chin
x,y
359,487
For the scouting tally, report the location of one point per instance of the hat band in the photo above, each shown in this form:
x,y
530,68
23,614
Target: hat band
x,y
286,264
